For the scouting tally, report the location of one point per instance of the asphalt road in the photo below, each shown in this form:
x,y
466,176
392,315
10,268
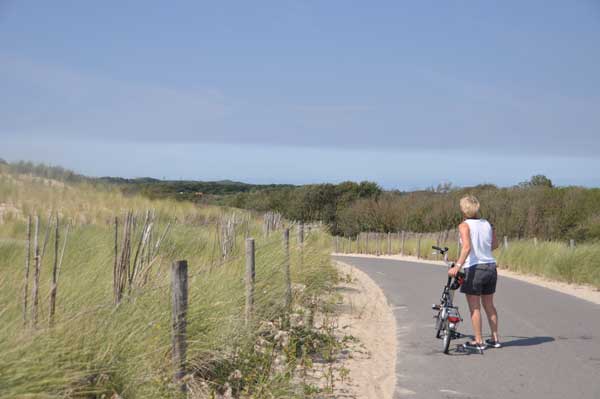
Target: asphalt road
x,y
551,340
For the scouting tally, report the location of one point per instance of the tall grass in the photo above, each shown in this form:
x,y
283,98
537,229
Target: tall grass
x,y
550,259
554,260
95,349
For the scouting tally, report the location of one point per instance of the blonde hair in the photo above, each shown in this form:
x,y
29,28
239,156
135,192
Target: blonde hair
x,y
469,205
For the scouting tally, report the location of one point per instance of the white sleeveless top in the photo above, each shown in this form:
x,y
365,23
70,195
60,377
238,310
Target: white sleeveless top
x,y
481,243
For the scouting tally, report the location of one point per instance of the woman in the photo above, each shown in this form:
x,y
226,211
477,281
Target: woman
x,y
478,239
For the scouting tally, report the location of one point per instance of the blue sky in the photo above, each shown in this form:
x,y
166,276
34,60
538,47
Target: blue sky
x,y
408,94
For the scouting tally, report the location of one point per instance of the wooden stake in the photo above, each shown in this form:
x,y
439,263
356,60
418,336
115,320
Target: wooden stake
x,y
53,286
402,247
27,264
36,276
250,279
179,291
287,272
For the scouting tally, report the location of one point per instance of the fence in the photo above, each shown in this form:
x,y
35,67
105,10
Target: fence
x,y
407,243
124,275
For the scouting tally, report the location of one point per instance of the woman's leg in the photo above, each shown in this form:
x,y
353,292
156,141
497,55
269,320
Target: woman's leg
x,y
474,302
492,315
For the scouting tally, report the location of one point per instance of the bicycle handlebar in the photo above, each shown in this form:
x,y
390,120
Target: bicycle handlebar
x,y
440,250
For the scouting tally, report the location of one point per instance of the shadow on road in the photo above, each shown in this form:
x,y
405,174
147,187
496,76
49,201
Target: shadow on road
x,y
527,341
516,342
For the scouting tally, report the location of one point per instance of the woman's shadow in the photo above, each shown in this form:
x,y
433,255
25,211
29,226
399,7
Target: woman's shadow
x,y
526,341
516,342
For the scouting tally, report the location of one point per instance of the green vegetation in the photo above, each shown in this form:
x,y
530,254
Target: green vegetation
x,y
534,208
96,349
550,259
553,260
524,211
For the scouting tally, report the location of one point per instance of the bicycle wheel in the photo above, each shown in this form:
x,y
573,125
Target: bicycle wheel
x,y
438,324
446,341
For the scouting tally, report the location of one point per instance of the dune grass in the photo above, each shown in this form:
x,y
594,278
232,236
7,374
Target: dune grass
x,y
96,349
553,260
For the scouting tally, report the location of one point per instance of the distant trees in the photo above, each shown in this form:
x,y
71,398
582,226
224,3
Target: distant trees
x,y
537,181
532,209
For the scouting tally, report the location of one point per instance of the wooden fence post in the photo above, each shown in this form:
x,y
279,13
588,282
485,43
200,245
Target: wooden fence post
x,y
179,302
378,243
505,242
389,244
418,245
535,242
36,276
27,264
288,276
301,234
367,243
403,239
572,243
250,278
53,287
337,244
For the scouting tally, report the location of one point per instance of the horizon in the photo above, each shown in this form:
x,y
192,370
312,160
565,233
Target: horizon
x,y
451,185
405,95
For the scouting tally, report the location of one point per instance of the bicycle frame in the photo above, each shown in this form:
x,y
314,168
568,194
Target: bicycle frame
x,y
448,315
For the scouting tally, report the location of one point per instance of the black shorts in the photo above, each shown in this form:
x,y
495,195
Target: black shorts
x,y
480,279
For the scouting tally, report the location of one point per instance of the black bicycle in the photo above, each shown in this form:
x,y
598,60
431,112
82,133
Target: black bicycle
x,y
448,316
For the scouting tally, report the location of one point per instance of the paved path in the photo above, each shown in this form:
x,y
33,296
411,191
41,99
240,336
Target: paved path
x,y
551,340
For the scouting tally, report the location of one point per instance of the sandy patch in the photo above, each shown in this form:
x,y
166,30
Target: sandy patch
x,y
367,316
585,292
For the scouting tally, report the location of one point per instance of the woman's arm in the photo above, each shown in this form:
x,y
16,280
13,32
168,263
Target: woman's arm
x,y
465,237
494,239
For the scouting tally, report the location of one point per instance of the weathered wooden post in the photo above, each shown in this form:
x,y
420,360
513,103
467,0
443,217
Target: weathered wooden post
x,y
337,244
179,303
389,243
36,276
250,278
572,243
53,286
377,243
403,239
287,273
418,245
27,264
505,242
535,242
367,242
301,233
358,243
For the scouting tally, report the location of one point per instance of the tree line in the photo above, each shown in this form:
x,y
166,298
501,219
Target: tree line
x,y
535,208
530,209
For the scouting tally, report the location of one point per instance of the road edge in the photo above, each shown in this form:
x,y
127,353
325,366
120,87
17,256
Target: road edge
x,y
584,292
371,320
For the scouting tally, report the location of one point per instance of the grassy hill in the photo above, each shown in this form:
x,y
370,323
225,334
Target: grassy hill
x,y
93,348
